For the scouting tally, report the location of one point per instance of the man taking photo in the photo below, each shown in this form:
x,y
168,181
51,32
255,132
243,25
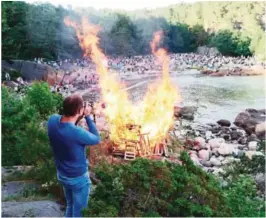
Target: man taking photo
x,y
68,142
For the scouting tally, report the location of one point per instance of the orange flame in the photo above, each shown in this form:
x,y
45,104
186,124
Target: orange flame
x,y
154,114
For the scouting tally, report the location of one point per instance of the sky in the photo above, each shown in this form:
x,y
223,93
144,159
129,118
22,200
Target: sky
x,y
114,4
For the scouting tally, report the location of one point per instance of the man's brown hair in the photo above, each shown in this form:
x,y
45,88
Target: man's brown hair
x,y
72,105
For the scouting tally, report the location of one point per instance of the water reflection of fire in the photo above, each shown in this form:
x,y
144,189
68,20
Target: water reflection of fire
x,y
146,122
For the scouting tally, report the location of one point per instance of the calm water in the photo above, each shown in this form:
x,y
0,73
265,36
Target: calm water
x,y
218,97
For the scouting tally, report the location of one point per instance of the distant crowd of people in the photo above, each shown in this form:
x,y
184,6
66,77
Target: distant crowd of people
x,y
80,74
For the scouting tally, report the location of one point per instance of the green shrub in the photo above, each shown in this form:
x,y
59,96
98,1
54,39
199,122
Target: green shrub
x,y
17,114
46,103
24,133
154,188
241,198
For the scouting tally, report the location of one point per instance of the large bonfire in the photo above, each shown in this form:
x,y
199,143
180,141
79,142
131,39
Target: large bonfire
x,y
154,114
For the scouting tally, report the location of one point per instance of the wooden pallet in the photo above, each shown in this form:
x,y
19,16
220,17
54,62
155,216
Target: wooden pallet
x,y
130,155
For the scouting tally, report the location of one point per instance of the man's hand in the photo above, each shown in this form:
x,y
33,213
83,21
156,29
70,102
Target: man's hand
x,y
87,110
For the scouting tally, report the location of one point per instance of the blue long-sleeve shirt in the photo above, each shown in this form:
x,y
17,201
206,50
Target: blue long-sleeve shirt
x,y
68,142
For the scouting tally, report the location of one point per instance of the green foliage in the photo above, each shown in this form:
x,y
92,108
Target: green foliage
x,y
180,39
200,35
37,30
160,189
241,197
14,30
125,37
24,134
40,97
17,114
231,44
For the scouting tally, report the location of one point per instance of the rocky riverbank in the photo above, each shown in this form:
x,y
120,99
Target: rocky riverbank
x,y
216,145
235,71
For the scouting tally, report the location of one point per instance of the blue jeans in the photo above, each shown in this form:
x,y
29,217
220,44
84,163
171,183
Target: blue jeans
x,y
77,192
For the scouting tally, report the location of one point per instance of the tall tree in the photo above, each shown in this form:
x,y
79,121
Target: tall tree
x,y
125,36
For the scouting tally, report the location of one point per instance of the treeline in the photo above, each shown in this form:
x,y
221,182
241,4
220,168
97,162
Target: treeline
x,y
37,30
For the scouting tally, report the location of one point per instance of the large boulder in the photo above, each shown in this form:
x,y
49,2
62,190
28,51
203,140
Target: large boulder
x,y
31,209
31,70
204,50
249,119
186,112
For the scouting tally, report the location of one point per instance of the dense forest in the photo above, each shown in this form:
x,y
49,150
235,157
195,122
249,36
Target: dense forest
x,y
37,30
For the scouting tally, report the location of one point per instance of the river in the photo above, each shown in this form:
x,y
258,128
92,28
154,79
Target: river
x,y
217,97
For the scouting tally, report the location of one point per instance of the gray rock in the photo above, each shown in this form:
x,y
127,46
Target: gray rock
x,y
206,163
226,149
260,130
215,162
187,112
16,188
241,153
252,146
234,135
216,129
31,70
235,153
240,147
7,171
260,180
241,118
204,50
223,122
249,119
252,137
226,137
242,140
220,158
31,209
216,143
10,84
